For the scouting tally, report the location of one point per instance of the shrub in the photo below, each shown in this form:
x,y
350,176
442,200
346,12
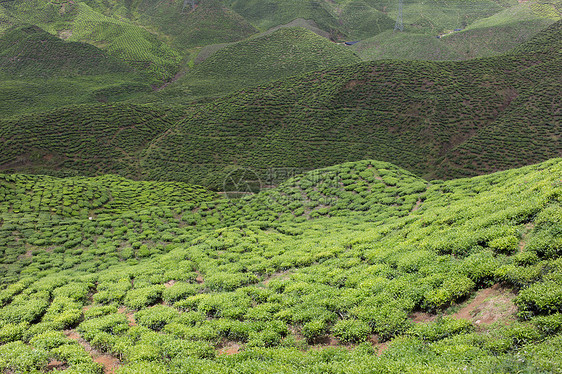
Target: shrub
x,y
99,311
264,338
156,317
179,291
441,328
72,353
12,332
140,297
451,290
20,358
541,298
49,340
549,325
314,330
351,331
504,244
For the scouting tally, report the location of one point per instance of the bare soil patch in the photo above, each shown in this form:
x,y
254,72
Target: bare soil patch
x,y
421,317
228,348
56,365
130,316
490,305
110,363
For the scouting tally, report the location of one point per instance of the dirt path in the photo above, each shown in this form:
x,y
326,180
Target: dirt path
x,y
490,305
174,79
130,316
109,362
528,228
417,206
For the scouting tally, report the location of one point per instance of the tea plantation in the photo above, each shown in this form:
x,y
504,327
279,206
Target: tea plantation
x,y
328,273
437,119
226,186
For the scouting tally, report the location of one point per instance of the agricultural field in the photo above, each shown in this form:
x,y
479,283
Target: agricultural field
x,y
280,186
414,114
485,37
39,71
436,119
357,267
281,54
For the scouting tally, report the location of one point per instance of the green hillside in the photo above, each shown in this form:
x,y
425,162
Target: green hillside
x,y
353,268
118,36
488,36
413,114
108,139
437,119
283,53
39,71
30,52
265,14
209,23
5,20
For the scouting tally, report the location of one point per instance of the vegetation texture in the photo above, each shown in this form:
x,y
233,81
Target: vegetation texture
x,y
168,278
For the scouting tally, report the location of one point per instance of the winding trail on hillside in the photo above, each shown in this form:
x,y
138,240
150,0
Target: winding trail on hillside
x,y
109,363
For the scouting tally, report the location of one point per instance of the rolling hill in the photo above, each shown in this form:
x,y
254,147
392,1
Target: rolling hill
x,y
283,53
484,37
439,119
355,267
418,115
30,52
119,37
223,186
39,71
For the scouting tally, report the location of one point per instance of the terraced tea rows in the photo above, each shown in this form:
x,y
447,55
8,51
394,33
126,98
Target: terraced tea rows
x,y
163,291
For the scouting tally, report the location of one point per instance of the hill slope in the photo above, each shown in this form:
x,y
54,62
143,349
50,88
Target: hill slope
x,y
39,71
433,118
413,114
30,52
487,36
313,276
118,36
107,139
285,52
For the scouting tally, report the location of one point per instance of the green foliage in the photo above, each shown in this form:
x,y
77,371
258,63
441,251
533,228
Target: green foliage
x,y
351,331
260,281
142,297
314,330
452,289
157,317
442,328
283,53
541,297
19,357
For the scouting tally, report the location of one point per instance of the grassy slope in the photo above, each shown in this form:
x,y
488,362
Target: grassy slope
x,y
269,13
209,23
286,52
413,114
341,256
39,71
107,139
431,118
30,52
5,20
486,37
118,36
